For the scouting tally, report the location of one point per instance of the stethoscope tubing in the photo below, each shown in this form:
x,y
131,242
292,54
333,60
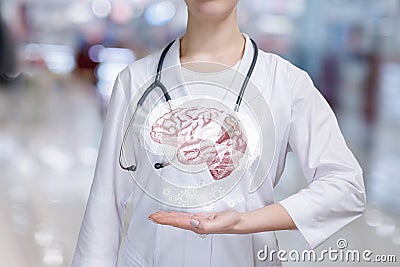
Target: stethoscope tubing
x,y
158,84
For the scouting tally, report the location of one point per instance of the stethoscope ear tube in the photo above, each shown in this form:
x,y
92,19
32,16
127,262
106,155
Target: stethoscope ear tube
x,y
156,83
248,75
131,167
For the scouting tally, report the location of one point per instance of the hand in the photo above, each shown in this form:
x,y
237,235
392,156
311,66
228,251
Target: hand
x,y
230,221
201,223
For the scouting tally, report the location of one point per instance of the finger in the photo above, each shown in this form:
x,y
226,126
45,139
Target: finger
x,y
176,220
183,220
207,215
180,214
170,218
163,218
169,213
156,214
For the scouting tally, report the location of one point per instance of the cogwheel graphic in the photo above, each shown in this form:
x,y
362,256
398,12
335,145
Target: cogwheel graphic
x,y
216,192
166,191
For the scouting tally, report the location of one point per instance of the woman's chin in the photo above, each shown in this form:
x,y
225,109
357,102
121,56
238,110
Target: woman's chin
x,y
214,10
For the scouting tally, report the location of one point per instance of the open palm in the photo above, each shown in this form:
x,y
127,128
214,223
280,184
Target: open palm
x,y
202,223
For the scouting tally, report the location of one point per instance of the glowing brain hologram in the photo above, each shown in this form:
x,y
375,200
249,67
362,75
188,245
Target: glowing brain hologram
x,y
202,135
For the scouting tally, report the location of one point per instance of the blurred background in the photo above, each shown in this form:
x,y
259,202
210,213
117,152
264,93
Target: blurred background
x,y
59,59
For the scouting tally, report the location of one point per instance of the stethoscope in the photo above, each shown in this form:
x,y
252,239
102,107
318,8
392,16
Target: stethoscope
x,y
158,84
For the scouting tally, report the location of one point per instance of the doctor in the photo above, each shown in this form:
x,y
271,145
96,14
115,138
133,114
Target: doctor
x,y
231,234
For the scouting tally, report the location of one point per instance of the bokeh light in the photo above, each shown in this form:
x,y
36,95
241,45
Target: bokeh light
x,y
59,65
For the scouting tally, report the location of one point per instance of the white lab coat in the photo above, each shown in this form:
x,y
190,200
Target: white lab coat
x,y
304,124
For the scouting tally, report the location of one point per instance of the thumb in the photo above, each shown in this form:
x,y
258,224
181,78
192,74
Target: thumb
x,y
201,224
195,223
200,219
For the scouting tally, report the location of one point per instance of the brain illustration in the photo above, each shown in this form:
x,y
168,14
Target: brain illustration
x,y
202,135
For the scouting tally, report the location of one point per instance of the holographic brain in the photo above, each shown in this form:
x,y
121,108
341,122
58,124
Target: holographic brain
x,y
202,135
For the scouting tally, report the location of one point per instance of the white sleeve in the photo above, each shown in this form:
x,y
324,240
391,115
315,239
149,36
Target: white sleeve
x,y
335,195
100,234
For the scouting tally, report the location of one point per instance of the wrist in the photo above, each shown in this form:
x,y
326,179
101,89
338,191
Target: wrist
x,y
242,225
